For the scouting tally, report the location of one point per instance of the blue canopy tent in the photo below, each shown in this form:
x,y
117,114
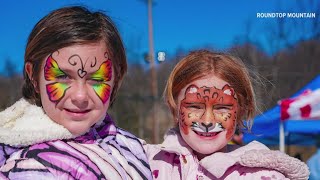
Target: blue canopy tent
x,y
266,127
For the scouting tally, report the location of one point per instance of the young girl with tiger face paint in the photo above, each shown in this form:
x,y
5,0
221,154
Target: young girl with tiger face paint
x,y
207,114
74,65
210,96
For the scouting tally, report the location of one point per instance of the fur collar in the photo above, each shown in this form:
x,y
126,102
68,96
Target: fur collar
x,y
23,124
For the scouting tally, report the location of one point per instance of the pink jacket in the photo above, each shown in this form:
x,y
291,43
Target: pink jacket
x,y
173,159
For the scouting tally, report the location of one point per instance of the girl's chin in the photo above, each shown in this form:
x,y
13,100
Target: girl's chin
x,y
207,148
202,154
206,151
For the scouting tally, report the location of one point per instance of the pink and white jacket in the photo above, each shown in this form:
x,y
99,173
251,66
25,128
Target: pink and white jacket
x,y
173,159
34,147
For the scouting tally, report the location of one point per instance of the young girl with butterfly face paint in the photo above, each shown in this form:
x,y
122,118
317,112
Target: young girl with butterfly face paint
x,y
74,65
209,95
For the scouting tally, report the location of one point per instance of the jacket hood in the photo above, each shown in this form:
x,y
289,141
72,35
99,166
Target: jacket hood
x,y
170,143
24,124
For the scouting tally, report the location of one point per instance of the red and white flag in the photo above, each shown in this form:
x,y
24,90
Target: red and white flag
x,y
304,106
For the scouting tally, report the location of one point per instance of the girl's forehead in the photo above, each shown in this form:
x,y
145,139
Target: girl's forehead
x,y
207,81
88,56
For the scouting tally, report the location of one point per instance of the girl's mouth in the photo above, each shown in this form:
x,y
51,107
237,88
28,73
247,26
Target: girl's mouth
x,y
77,114
77,111
207,134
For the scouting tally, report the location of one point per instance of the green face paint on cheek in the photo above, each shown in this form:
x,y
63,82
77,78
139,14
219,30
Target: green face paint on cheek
x,y
52,72
102,75
56,91
103,91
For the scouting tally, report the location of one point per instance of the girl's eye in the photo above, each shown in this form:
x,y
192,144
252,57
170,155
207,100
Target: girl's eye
x,y
222,109
97,80
63,77
194,107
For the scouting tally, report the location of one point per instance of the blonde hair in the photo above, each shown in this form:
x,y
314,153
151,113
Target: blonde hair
x,y
202,63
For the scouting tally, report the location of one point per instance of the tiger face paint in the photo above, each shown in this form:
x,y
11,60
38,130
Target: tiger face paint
x,y
75,85
207,114
208,110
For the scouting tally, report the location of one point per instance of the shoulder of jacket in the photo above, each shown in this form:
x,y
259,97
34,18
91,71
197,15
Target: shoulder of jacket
x,y
128,137
24,124
276,160
130,141
20,167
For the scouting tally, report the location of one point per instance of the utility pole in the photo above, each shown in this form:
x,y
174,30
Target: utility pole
x,y
154,81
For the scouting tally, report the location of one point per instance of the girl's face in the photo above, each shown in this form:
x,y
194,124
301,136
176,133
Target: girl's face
x,y
207,114
75,86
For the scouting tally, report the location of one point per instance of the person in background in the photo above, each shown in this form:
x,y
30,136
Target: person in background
x,y
74,65
209,95
314,162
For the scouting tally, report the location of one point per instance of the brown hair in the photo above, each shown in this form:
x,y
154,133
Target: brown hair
x,y
202,63
69,26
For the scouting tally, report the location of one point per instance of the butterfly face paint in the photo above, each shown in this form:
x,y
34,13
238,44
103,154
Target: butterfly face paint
x,y
208,111
102,76
52,72
75,59
75,84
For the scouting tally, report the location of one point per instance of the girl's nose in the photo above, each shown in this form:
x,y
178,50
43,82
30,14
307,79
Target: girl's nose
x,y
208,126
208,117
79,95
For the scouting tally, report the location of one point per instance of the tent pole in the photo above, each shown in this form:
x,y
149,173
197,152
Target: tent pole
x,y
282,137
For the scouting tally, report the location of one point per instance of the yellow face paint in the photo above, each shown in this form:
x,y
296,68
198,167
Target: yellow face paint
x,y
103,75
56,90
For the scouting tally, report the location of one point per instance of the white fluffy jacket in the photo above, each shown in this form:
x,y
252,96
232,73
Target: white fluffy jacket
x,y
25,124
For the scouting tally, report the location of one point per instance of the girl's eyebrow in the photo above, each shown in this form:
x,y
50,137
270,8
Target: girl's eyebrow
x,y
188,103
66,71
229,105
72,72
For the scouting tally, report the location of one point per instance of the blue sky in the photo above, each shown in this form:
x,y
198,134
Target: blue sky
x,y
185,24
